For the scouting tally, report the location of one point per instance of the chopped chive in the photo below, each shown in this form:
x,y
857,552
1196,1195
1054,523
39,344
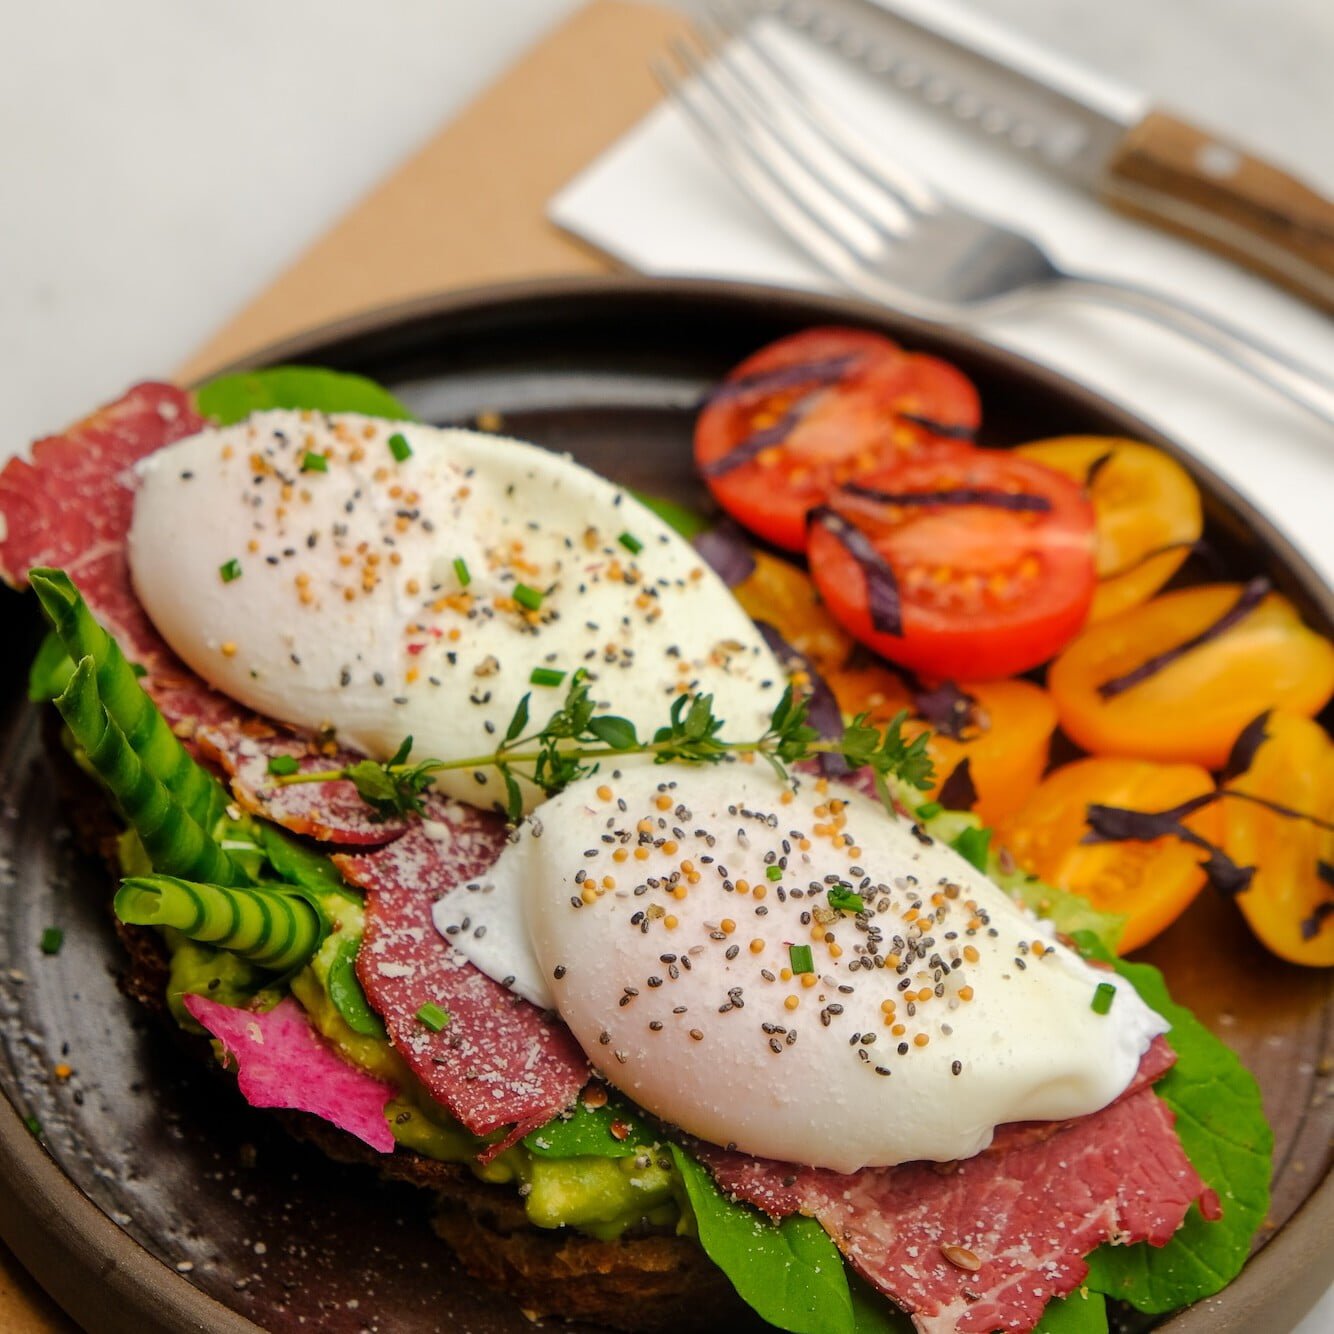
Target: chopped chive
x,y
527,597
52,939
283,764
929,810
1103,998
846,899
230,570
774,873
399,447
461,572
546,676
799,956
631,543
34,1125
313,462
432,1016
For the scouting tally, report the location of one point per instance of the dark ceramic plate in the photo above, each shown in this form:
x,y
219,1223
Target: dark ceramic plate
x,y
151,1199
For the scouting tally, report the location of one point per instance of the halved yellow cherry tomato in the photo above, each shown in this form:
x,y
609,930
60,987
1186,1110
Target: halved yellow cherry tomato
x,y
782,594
1193,708
1143,502
1150,883
1288,905
1005,744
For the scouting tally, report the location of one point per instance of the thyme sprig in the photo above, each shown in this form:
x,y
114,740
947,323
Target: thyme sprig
x,y
576,738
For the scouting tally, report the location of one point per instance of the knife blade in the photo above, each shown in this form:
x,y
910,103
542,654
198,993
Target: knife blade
x,y
1099,135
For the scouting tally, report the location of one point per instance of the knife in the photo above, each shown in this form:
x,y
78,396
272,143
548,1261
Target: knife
x,y
1100,136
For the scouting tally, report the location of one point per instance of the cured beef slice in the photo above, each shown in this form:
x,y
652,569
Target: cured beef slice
x,y
331,812
499,1061
984,1244
70,506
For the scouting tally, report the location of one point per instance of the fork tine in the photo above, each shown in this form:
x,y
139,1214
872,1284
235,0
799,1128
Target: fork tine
x,y
880,208
906,186
788,210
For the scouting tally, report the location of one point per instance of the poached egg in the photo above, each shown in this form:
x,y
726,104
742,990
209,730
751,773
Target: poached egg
x,y
388,579
796,973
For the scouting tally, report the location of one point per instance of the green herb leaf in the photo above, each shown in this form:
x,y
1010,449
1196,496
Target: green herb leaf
x,y
346,994
519,721
528,598
513,797
388,790
297,864
461,572
52,939
399,447
1103,996
631,543
973,845
312,462
230,570
610,1131
801,959
1222,1126
232,398
790,1273
283,764
546,676
618,733
846,899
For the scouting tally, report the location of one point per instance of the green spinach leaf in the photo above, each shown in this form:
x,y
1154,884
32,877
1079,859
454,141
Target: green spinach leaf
x,y
789,1272
589,1131
232,398
1223,1129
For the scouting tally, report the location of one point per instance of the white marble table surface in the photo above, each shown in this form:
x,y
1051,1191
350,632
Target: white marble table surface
x,y
160,162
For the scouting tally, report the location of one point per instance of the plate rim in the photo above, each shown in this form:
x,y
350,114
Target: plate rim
x,y
51,1225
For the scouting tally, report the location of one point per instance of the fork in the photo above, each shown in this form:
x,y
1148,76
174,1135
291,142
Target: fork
x,y
885,232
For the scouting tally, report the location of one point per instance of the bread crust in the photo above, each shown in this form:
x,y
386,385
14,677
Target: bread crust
x,y
646,1284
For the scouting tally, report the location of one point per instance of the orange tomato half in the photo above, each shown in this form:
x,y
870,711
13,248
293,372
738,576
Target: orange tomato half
x,y
783,595
1146,513
1152,884
1005,744
1289,906
1194,708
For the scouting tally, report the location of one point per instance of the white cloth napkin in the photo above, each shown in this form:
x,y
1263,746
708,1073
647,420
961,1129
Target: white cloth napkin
x,y
658,202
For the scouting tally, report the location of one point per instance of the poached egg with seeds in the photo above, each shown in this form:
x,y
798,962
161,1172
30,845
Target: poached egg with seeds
x,y
389,579
792,971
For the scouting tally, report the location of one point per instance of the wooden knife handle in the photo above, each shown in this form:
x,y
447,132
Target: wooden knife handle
x,y
1169,172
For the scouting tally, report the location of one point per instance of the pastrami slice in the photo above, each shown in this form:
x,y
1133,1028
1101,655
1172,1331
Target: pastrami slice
x,y
498,1061
70,505
331,812
986,1243
283,1062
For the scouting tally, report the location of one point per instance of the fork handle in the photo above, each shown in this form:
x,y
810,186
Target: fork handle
x,y
1171,173
1302,384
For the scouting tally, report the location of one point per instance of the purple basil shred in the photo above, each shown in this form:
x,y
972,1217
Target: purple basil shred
x,y
725,549
1096,467
1114,824
770,437
882,588
1242,754
946,708
823,712
1248,599
958,792
945,429
817,374
1019,501
1310,926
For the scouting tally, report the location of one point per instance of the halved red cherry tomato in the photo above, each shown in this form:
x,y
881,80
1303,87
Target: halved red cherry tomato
x,y
1153,883
1195,706
989,557
1146,511
1290,901
1005,739
813,410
